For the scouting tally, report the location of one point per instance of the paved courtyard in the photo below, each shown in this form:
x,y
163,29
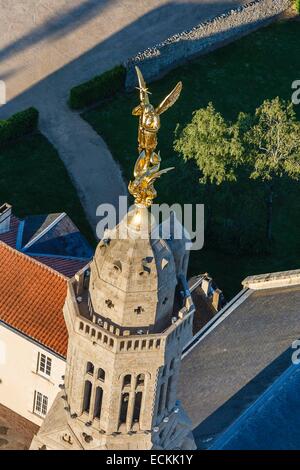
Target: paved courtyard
x,y
48,46
16,432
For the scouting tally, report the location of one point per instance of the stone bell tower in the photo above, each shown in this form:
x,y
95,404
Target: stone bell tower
x,y
129,314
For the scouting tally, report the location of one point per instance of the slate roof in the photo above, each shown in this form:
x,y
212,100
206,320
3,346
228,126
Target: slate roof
x,y
272,422
53,234
32,299
237,355
11,237
52,239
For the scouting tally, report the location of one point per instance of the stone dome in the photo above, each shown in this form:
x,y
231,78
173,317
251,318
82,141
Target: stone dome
x,y
133,275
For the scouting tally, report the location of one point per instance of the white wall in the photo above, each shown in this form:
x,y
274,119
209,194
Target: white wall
x,y
18,374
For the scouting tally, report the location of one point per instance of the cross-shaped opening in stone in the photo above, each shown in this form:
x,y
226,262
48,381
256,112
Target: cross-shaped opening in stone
x,y
109,303
139,310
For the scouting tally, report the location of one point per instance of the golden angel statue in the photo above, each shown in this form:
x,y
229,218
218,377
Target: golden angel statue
x,y
146,169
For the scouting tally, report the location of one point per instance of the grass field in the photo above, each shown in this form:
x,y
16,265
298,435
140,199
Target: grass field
x,y
34,180
235,78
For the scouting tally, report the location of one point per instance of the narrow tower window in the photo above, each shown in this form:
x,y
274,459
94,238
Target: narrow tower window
x,y
98,402
127,380
101,375
89,368
140,379
137,407
87,396
124,407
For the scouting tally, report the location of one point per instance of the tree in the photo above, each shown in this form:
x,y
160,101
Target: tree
x,y
266,144
272,147
213,143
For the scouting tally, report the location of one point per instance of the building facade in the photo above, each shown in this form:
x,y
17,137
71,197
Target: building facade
x,y
33,335
29,374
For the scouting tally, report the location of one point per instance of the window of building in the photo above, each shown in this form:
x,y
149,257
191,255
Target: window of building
x,y
89,368
101,374
124,408
137,407
40,405
127,380
98,402
140,380
44,364
87,396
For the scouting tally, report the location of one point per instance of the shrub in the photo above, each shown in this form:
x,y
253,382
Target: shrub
x,y
297,5
99,88
18,125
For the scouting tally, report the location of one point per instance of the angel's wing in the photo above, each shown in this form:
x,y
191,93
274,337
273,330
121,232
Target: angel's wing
x,y
170,99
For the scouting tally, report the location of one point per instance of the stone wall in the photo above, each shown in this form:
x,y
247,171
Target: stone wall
x,y
203,38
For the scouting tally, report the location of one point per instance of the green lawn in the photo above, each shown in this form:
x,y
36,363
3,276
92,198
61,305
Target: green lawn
x,y
235,78
34,180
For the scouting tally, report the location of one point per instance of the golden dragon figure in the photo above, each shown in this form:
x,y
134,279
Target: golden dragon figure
x,y
146,169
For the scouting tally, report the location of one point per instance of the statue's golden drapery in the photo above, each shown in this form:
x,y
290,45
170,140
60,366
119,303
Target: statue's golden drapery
x,y
147,166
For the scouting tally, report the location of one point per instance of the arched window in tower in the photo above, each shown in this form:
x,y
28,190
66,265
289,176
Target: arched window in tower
x,y
89,368
101,374
161,399
98,402
137,407
124,408
127,380
87,396
140,380
172,365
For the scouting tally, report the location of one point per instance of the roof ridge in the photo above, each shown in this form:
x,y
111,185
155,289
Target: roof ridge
x,y
273,279
32,260
59,217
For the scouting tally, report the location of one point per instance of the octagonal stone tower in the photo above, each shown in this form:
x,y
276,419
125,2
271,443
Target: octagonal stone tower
x,y
129,314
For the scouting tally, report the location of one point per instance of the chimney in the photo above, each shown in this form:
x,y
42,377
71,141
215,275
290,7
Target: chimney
x,y
206,286
217,299
79,277
5,217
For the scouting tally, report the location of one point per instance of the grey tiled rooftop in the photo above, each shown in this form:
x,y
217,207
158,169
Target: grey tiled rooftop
x,y
245,350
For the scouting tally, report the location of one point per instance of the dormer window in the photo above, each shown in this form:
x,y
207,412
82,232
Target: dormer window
x,y
164,263
117,266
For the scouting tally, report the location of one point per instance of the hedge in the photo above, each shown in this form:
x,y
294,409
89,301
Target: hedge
x,y
98,88
18,125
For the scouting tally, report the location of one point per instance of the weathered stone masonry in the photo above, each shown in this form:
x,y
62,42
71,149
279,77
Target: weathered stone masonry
x,y
203,38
